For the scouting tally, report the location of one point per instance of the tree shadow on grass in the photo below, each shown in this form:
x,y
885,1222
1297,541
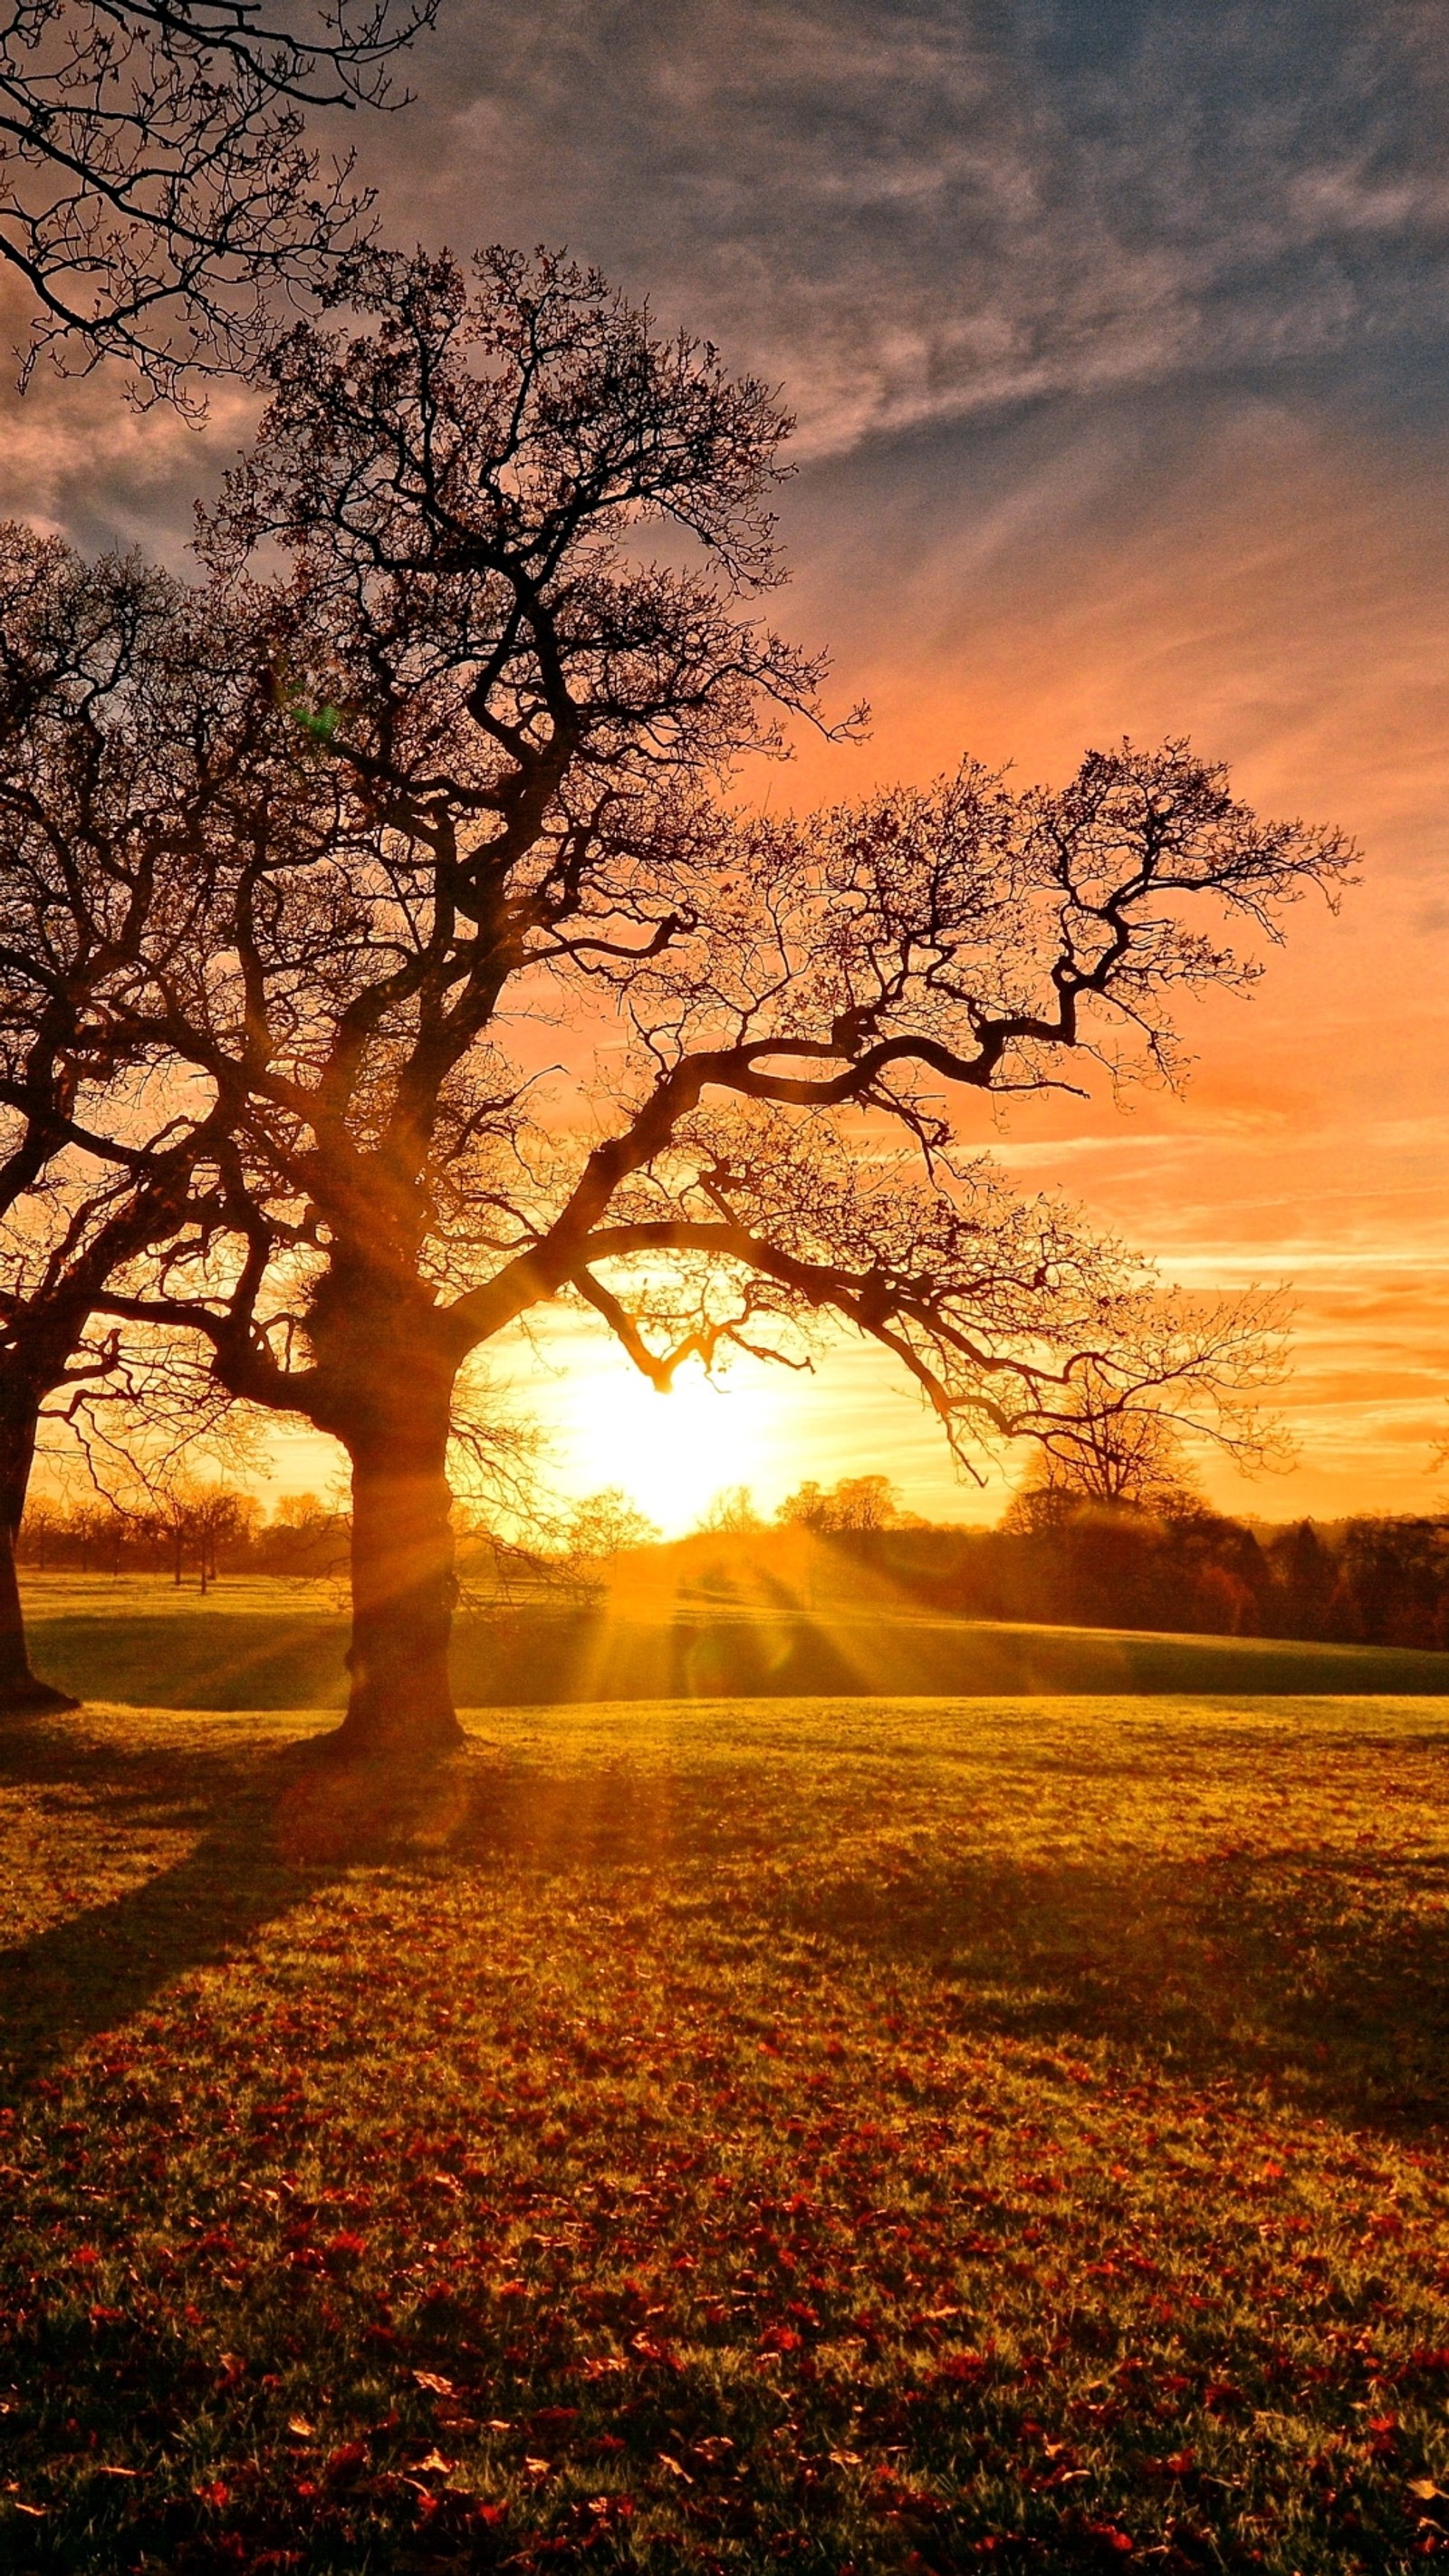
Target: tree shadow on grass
x,y
269,1825
1322,1977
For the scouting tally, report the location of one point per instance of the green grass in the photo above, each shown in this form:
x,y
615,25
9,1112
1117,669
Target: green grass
x,y
835,2135
263,1643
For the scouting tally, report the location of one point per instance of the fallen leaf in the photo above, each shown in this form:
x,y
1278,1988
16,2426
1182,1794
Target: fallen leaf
x,y
430,2379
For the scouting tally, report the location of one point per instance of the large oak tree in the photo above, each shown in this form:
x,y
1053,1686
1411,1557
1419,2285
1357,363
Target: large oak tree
x,y
516,652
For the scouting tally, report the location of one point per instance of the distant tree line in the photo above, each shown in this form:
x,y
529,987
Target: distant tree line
x,y
190,1532
1379,1581
1162,1560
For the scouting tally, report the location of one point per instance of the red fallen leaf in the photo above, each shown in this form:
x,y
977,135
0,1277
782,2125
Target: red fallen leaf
x,y
217,2240
780,2339
344,2248
430,2379
649,2348
1111,2538
216,2495
346,2460
963,2365
491,2514
1180,2464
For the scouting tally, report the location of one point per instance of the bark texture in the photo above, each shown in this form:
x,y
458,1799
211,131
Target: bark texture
x,y
403,1592
21,1691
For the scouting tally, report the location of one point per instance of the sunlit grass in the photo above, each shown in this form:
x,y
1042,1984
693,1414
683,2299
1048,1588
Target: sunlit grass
x,y
694,1621
859,2135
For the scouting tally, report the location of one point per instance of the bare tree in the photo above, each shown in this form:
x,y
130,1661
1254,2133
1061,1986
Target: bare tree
x,y
853,1503
519,710
157,188
731,1512
605,1526
1123,1429
103,775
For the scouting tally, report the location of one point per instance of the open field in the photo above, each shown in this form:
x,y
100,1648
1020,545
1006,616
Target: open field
x,y
259,1642
841,2136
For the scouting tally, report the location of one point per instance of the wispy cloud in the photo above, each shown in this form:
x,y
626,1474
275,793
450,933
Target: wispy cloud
x,y
1118,331
912,212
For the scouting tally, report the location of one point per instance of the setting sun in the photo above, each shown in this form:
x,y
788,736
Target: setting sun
x,y
672,1453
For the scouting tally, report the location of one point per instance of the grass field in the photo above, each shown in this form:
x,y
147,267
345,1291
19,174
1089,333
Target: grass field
x,y
258,1642
846,2136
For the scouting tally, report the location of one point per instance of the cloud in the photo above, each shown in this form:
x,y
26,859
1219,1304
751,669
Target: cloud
x,y
77,458
910,210
1118,333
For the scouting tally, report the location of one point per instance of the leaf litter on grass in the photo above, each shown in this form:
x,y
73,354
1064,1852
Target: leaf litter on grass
x,y
874,2136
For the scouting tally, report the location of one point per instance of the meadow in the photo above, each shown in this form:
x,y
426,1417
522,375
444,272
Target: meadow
x,y
262,1642
840,2134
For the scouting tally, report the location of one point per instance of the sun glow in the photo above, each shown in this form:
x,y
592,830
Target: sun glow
x,y
672,1453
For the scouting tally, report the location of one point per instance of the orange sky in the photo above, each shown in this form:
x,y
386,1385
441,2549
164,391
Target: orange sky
x,y
1262,582
1118,332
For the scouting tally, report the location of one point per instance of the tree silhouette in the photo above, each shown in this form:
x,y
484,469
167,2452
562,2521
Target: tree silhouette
x,y
117,726
157,189
1122,1434
853,1503
517,651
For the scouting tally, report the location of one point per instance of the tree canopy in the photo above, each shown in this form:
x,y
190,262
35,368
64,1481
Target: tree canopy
x,y
158,190
454,794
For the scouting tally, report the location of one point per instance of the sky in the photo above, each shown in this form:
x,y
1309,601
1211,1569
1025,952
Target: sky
x,y
1117,332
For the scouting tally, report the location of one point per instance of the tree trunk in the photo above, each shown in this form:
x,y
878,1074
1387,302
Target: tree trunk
x,y
403,1589
20,1692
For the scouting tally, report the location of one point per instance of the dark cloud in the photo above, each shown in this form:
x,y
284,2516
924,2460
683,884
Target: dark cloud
x,y
1119,334
916,211
912,212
